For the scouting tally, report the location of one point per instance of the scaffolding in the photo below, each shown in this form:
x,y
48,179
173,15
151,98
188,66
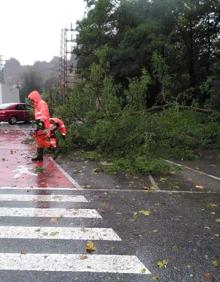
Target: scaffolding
x,y
66,68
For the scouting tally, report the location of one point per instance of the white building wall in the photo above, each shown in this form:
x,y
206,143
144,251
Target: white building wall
x,y
9,93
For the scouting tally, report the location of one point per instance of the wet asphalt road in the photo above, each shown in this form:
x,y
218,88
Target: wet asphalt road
x,y
176,235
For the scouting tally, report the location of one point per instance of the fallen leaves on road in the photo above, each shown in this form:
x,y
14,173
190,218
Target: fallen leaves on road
x,y
39,169
87,186
54,233
82,257
163,179
216,263
96,170
90,247
155,278
142,212
162,263
175,248
211,206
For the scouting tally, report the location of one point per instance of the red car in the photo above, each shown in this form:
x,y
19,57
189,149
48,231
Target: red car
x,y
13,112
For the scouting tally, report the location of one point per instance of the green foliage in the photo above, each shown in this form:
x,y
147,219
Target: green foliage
x,y
175,41
210,89
90,155
133,138
138,165
136,92
133,55
180,134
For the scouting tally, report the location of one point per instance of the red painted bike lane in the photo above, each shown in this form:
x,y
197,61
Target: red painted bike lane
x,y
17,169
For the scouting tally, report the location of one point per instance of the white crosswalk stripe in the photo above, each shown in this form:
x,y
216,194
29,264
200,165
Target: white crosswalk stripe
x,y
49,212
63,262
72,262
67,233
42,198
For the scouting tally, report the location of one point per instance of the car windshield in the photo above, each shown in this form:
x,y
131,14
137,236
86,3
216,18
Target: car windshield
x,y
5,106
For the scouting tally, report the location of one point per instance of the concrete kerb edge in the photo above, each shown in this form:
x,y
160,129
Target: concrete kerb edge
x,y
74,182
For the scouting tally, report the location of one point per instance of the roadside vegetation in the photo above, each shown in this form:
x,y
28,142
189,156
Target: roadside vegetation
x,y
150,86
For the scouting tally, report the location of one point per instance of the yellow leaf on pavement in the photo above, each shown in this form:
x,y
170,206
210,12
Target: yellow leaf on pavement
x,y
145,212
212,205
142,212
162,263
216,263
90,246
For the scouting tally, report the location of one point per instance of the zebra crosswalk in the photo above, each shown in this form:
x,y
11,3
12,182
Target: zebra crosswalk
x,y
56,261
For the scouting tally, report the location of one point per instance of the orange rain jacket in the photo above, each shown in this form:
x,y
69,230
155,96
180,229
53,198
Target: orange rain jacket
x,y
41,113
60,126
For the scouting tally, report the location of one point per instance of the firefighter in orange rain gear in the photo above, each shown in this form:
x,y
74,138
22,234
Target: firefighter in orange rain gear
x,y
56,125
42,116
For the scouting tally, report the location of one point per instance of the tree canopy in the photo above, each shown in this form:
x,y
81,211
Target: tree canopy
x,y
176,42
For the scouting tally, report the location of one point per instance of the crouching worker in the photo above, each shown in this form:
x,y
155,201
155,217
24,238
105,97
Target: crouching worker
x,y
57,125
42,116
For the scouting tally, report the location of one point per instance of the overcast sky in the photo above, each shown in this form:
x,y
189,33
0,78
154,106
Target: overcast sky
x,y
30,30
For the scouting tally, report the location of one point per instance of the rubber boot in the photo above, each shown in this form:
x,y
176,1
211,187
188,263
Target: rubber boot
x,y
56,153
40,153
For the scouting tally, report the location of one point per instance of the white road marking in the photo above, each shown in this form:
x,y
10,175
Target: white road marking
x,y
74,182
72,263
22,170
64,233
41,212
153,183
39,188
42,198
194,170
